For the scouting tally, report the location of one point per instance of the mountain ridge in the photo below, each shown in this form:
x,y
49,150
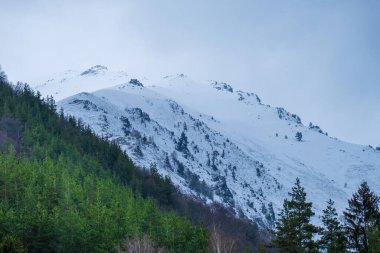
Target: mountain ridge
x,y
239,150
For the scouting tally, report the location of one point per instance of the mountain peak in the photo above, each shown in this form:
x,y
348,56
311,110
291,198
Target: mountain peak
x,y
175,76
136,82
222,86
216,142
94,70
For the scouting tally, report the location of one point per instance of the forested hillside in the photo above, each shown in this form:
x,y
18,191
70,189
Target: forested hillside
x,y
64,189
59,206
55,197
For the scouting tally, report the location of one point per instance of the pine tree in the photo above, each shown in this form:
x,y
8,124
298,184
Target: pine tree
x,y
333,238
361,216
294,231
299,136
182,144
3,76
11,244
138,152
374,240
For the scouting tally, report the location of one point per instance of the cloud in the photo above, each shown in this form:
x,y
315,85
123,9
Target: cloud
x,y
319,59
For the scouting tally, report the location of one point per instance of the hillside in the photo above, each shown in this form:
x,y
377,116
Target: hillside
x,y
215,143
64,189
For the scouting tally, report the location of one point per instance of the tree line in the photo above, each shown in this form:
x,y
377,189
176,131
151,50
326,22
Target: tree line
x,y
58,206
358,232
63,189
38,131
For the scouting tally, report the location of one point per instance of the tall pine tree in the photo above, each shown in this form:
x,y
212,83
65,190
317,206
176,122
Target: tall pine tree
x,y
333,238
182,144
374,240
361,216
3,76
294,232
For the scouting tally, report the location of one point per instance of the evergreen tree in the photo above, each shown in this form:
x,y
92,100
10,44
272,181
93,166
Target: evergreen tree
x,y
9,244
138,152
299,136
64,189
333,238
374,240
294,232
361,216
182,144
3,76
69,190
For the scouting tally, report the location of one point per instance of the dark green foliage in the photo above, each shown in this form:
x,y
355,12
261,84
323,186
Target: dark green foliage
x,y
3,76
61,207
361,216
180,167
224,192
260,249
374,239
258,172
126,125
144,117
59,139
162,191
294,232
167,162
333,238
193,180
361,233
138,152
199,186
69,191
10,244
10,133
299,136
182,144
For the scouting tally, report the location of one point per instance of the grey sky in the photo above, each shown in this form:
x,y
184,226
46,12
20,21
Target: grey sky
x,y
319,59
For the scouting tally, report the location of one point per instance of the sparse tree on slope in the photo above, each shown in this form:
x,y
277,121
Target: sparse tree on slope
x,y
299,136
3,76
182,144
294,232
333,238
361,216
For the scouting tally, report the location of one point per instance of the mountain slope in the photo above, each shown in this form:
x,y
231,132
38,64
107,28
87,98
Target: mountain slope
x,y
63,189
214,142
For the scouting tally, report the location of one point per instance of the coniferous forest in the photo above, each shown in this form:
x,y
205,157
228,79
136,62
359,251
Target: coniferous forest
x,y
64,189
358,232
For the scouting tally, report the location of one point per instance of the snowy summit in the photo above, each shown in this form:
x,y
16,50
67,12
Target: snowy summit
x,y
216,143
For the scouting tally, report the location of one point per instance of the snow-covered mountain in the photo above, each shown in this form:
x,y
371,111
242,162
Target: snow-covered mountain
x,y
215,143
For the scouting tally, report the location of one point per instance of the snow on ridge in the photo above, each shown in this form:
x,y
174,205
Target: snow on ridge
x,y
94,70
239,152
222,86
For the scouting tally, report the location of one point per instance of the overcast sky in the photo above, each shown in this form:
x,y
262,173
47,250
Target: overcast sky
x,y
319,59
